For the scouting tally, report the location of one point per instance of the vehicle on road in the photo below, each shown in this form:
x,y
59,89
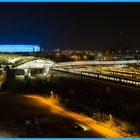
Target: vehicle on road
x,y
78,127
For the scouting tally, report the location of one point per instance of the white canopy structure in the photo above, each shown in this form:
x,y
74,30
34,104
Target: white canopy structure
x,y
36,64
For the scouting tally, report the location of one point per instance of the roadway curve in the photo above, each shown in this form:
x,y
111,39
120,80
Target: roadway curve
x,y
56,108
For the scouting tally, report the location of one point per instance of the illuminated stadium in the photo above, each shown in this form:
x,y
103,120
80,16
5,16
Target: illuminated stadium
x,y
19,48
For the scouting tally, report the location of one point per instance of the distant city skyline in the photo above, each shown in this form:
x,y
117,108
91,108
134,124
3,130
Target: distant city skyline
x,y
95,26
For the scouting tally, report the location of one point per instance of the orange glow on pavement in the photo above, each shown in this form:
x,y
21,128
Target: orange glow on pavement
x,y
57,108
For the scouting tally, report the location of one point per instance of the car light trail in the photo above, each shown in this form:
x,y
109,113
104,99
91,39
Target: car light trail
x,y
57,108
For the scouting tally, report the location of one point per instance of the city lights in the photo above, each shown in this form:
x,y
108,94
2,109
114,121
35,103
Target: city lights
x,y
70,70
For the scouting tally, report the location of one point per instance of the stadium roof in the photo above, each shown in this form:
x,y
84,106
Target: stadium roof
x,y
19,48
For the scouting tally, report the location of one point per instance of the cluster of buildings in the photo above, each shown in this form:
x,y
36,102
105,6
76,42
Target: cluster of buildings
x,y
83,55
59,55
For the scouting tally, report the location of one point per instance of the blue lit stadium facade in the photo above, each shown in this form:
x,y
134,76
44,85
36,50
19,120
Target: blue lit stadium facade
x,y
19,48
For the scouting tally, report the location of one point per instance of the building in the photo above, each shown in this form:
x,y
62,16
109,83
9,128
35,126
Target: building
x,y
106,56
19,48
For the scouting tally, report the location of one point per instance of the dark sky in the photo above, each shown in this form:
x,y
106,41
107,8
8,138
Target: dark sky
x,y
71,25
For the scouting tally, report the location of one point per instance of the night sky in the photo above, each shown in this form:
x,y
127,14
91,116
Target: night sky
x,y
71,25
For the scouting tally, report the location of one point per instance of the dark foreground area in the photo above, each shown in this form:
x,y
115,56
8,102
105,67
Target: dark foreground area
x,y
96,99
